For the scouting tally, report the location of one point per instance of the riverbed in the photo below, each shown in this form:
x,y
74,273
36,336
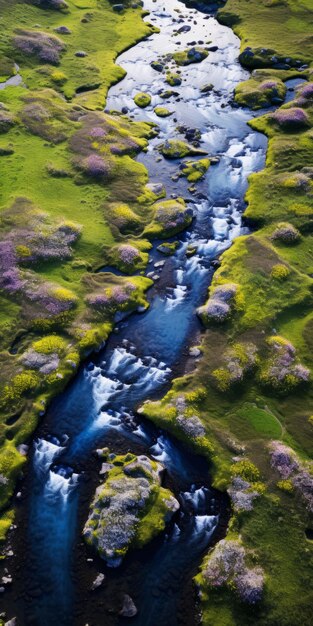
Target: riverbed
x,y
54,573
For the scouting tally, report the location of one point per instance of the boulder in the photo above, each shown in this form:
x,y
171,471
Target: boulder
x,y
128,608
130,507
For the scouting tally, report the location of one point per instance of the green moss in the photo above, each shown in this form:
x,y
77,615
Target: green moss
x,y
258,93
50,344
177,149
195,170
170,217
6,522
162,111
173,79
192,55
142,100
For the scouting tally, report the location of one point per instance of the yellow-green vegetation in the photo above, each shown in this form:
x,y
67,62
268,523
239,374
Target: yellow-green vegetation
x,y
170,218
195,170
130,508
254,417
178,149
72,200
173,79
191,55
261,91
91,35
142,100
162,111
271,28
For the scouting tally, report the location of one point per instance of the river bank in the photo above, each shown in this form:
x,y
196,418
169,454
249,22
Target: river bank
x,y
162,331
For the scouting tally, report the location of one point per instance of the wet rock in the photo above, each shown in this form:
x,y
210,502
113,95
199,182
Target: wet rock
x,y
168,248
105,468
6,580
97,582
129,608
191,250
175,149
184,29
156,188
11,622
156,65
206,88
118,8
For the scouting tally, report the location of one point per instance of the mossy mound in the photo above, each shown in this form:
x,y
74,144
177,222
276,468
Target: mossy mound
x,y
259,93
195,54
173,79
195,170
162,111
129,256
178,149
130,508
142,100
170,217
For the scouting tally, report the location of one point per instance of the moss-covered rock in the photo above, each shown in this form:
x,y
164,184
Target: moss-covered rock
x,y
162,111
130,508
259,94
177,149
170,218
173,79
142,99
219,306
196,54
195,170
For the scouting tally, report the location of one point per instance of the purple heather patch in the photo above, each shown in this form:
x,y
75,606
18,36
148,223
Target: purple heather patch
x,y
45,47
226,566
286,233
94,165
293,117
282,370
286,463
128,254
242,494
283,459
97,132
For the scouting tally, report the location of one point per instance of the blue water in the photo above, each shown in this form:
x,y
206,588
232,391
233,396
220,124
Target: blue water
x,y
140,360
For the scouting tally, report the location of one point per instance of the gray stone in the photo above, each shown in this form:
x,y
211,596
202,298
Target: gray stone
x,y
97,581
129,608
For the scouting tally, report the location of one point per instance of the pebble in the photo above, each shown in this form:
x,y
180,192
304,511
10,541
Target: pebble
x,y
97,581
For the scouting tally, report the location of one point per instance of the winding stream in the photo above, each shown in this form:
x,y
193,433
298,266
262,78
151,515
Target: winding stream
x,y
140,359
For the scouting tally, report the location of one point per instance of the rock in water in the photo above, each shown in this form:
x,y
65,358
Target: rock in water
x,y
97,581
128,609
129,509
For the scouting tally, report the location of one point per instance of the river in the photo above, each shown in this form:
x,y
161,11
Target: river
x,y
55,570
